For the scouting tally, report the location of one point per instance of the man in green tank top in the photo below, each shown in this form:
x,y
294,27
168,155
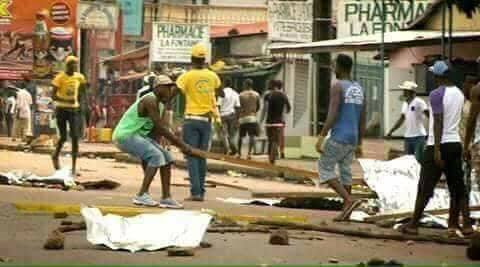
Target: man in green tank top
x,y
136,133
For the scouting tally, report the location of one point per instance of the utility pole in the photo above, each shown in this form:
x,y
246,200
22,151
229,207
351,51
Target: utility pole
x,y
382,56
322,21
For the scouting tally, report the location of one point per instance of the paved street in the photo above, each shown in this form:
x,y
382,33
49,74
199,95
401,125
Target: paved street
x,y
28,232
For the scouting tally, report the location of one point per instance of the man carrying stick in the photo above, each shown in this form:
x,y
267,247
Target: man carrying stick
x,y
199,86
136,134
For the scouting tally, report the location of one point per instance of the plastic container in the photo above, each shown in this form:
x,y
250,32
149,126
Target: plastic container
x,y
104,135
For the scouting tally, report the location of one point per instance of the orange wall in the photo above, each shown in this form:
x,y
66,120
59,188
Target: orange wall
x,y
22,14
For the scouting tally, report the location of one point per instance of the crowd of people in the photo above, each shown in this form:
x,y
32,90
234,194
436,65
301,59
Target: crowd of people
x,y
450,146
16,109
209,101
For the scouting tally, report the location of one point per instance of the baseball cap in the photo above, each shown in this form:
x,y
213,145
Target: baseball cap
x,y
71,59
199,50
146,78
440,68
409,86
162,79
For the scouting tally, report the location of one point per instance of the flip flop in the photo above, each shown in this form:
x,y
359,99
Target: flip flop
x,y
452,233
466,232
345,215
405,229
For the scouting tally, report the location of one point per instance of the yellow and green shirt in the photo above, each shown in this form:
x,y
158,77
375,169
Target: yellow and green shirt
x,y
199,87
68,88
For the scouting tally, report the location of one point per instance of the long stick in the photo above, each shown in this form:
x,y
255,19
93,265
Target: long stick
x,y
373,219
262,165
367,233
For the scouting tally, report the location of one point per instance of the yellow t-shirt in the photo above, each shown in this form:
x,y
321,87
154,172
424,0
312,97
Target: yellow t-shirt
x,y
68,89
199,87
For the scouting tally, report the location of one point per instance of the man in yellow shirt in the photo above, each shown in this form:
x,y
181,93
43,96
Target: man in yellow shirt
x,y
199,86
67,88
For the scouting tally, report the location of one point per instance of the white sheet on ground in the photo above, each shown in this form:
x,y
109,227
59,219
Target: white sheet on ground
x,y
146,231
396,181
63,176
255,201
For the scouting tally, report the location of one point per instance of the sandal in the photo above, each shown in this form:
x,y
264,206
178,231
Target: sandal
x,y
467,231
452,233
345,214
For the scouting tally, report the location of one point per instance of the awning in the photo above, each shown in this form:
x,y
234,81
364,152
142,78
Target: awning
x,y
225,31
133,76
137,54
253,71
392,40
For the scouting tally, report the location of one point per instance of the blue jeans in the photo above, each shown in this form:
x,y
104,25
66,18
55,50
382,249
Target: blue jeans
x,y
415,146
145,149
196,133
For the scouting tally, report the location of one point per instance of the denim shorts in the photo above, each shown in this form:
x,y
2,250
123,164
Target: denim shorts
x,y
146,149
336,153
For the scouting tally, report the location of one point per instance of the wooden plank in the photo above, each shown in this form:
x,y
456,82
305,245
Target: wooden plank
x,y
376,218
263,188
264,165
321,192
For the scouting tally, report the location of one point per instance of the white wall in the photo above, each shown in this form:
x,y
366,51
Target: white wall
x,y
301,126
242,3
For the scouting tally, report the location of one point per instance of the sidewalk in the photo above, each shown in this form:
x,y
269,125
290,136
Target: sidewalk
x,y
373,148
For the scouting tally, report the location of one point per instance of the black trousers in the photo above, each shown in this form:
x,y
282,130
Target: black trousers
x,y
10,120
73,118
430,173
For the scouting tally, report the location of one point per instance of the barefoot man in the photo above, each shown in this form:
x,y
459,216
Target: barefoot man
x,y
346,124
66,91
136,134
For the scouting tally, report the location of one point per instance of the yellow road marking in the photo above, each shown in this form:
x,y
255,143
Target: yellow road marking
x,y
74,209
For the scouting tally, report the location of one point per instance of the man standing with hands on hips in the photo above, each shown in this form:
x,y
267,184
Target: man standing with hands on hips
x,y
414,110
346,124
199,86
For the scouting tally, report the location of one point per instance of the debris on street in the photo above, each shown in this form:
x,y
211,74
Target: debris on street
x,y
180,252
473,249
60,215
279,237
55,241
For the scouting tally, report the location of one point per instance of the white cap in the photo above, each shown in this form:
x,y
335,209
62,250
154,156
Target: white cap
x,y
409,86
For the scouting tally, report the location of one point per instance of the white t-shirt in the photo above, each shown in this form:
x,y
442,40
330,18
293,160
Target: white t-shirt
x,y
143,91
10,107
24,101
414,116
229,102
448,101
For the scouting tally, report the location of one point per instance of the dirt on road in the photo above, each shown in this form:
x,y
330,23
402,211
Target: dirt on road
x,y
23,235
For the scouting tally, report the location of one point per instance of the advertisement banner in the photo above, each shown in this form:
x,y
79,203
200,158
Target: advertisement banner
x,y
25,39
290,21
364,17
172,42
97,15
132,13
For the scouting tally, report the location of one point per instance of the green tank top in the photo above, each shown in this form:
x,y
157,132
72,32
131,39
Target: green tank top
x,y
132,124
